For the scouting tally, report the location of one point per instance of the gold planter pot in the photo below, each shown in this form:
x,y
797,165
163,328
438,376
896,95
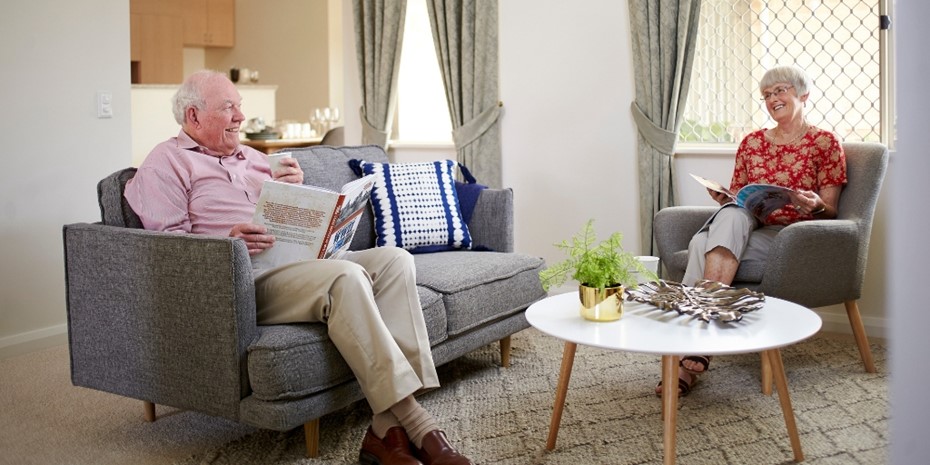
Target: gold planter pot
x,y
601,304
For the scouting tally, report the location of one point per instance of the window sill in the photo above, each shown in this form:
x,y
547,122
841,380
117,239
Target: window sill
x,y
422,145
723,150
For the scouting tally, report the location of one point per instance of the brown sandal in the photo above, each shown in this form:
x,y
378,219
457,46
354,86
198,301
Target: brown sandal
x,y
703,360
684,387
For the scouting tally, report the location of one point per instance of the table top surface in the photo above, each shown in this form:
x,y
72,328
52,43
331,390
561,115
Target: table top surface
x,y
647,329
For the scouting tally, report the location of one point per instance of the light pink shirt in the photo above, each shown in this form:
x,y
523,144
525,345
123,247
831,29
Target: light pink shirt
x,y
181,188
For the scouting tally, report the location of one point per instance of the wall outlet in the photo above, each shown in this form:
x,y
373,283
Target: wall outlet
x,y
104,104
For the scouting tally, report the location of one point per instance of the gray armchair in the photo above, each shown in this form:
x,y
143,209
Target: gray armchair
x,y
813,263
334,136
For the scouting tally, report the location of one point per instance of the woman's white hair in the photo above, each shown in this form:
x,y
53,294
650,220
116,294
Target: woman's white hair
x,y
790,74
190,94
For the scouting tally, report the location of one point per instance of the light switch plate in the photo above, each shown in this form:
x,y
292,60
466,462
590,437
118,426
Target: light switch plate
x,y
104,104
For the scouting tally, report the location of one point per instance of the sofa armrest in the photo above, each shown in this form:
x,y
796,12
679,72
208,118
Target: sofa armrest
x,y
802,251
491,223
162,317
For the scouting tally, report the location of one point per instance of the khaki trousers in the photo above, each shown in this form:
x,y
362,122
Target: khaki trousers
x,y
369,302
736,230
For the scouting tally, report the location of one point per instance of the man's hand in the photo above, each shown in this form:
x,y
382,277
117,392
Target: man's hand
x,y
254,235
289,171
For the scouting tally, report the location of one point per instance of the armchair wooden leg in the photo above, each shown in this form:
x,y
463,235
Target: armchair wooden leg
x,y
312,438
766,375
148,409
505,352
855,320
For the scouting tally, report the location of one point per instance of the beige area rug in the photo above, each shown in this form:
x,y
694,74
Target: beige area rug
x,y
501,415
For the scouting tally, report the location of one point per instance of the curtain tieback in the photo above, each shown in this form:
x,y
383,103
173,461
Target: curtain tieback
x,y
371,134
473,129
661,139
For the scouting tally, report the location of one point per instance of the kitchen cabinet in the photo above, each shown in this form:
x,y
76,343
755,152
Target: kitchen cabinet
x,y
156,31
155,48
209,23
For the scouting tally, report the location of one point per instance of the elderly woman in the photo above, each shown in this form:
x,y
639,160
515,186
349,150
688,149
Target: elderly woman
x,y
793,154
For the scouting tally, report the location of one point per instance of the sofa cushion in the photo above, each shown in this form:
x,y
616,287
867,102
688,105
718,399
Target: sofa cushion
x,y
416,206
114,208
293,361
480,287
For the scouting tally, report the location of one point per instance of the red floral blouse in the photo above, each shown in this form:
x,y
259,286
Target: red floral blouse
x,y
812,163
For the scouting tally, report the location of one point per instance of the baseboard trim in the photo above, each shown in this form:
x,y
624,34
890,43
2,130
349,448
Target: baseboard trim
x,y
838,322
31,341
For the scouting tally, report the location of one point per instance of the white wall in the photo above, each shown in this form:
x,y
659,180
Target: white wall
x,y
56,56
569,144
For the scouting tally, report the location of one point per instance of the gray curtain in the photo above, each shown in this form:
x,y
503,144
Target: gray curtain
x,y
379,33
664,34
465,35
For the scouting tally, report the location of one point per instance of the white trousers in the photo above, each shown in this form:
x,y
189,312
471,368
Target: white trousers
x,y
736,230
370,304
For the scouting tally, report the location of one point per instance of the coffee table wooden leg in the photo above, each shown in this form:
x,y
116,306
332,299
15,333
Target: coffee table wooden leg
x,y
669,404
781,384
766,375
565,374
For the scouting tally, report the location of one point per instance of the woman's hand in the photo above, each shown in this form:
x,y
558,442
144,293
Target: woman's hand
x,y
719,197
255,236
821,205
289,171
806,202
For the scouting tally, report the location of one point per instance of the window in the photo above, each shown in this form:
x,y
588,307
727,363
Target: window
x,y
422,111
838,43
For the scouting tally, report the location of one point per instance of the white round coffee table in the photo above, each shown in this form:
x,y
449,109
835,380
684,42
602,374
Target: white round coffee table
x,y
647,329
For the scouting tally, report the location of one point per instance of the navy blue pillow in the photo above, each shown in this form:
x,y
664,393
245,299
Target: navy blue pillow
x,y
416,205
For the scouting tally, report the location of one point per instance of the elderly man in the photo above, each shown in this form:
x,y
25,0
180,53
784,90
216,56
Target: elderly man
x,y
204,182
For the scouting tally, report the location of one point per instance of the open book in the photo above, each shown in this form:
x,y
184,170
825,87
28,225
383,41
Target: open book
x,y
309,222
760,199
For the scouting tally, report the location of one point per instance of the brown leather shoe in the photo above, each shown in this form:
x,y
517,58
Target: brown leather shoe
x,y
437,451
394,449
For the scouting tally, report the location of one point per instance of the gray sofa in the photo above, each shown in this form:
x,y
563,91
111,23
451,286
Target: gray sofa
x,y
170,318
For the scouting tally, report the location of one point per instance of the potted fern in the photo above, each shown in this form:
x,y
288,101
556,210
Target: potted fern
x,y
602,269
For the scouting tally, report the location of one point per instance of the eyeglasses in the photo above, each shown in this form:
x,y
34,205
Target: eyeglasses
x,y
778,92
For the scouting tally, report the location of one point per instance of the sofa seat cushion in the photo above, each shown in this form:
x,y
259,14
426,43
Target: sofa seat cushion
x,y
480,287
434,313
295,360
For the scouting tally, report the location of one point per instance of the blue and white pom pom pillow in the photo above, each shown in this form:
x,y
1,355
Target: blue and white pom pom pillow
x,y
416,205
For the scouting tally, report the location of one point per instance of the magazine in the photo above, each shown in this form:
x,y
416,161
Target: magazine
x,y
760,199
309,222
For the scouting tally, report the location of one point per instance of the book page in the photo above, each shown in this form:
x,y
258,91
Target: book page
x,y
298,216
712,185
357,193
